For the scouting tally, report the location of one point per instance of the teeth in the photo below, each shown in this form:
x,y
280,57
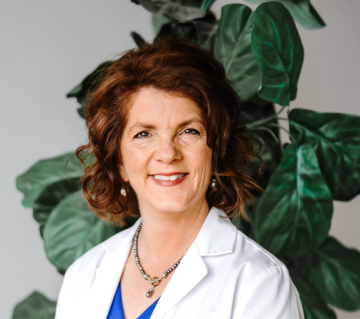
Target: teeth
x,y
169,178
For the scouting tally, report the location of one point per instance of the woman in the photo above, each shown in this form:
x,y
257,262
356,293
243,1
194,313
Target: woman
x,y
163,130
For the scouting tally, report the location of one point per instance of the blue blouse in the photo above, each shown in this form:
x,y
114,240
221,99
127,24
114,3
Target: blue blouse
x,y
117,312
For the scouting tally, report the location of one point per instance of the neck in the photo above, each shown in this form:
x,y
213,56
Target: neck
x,y
165,237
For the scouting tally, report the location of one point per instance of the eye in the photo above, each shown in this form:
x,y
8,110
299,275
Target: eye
x,y
142,134
191,131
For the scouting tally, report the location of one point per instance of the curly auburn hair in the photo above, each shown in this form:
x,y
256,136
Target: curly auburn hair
x,y
175,66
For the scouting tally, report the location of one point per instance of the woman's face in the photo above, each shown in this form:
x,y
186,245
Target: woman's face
x,y
164,152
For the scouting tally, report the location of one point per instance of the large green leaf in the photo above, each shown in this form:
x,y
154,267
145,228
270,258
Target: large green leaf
x,y
173,10
87,86
302,11
294,214
336,140
35,306
46,172
233,49
314,306
72,229
50,197
278,51
335,271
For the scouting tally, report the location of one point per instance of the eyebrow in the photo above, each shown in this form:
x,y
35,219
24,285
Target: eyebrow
x,y
151,127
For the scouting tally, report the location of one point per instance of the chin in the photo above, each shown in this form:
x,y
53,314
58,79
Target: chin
x,y
170,204
171,207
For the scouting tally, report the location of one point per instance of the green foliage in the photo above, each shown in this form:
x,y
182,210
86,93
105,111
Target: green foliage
x,y
262,54
87,86
35,306
71,230
52,195
233,49
44,173
278,51
173,10
314,306
138,39
335,271
294,214
336,139
271,150
302,11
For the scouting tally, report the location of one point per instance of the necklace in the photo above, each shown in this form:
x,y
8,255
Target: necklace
x,y
154,280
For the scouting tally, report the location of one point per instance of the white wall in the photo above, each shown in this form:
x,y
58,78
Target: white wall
x,y
47,47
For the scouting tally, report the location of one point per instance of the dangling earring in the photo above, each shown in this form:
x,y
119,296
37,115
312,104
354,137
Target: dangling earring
x,y
123,192
213,183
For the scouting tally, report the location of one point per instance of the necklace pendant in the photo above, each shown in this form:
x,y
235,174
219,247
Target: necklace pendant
x,y
150,292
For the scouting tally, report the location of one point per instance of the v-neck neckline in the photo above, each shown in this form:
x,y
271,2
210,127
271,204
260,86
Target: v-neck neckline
x,y
117,311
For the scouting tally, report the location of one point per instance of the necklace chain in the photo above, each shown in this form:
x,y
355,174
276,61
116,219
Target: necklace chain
x,y
155,280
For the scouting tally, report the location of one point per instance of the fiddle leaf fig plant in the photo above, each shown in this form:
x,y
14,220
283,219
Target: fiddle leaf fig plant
x,y
262,54
334,269
302,11
88,85
291,220
35,306
71,230
233,49
314,306
336,139
278,51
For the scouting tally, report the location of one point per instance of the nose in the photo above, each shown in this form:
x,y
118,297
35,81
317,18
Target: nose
x,y
167,151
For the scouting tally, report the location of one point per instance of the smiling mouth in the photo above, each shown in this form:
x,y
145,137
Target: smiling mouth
x,y
169,177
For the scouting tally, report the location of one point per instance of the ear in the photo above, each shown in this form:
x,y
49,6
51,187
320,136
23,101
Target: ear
x,y
123,173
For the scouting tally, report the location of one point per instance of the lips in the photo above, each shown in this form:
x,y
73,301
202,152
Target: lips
x,y
168,179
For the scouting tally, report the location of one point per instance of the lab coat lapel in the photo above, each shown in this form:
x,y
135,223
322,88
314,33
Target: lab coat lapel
x,y
188,274
216,237
107,278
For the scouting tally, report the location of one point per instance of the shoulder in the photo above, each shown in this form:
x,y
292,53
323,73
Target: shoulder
x,y
262,276
253,253
253,263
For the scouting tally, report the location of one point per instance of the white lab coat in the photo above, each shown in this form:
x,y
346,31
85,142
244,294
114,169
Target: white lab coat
x,y
224,274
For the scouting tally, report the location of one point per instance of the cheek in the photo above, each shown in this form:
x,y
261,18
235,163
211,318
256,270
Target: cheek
x,y
135,162
203,160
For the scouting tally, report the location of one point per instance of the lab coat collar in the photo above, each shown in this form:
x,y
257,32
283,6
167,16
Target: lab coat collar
x,y
216,236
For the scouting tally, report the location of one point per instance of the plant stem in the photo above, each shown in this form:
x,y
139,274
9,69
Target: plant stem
x,y
284,129
263,128
265,120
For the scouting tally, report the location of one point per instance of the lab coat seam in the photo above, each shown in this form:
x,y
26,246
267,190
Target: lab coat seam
x,y
261,250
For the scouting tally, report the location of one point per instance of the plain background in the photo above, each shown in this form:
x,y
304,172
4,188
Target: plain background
x,y
47,47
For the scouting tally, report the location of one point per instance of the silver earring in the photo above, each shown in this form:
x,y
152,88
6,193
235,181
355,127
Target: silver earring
x,y
123,192
213,183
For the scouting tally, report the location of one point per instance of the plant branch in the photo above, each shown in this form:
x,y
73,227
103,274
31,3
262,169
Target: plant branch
x,y
263,128
285,130
265,120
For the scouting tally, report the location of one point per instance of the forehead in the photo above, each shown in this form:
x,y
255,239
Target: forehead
x,y
156,106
